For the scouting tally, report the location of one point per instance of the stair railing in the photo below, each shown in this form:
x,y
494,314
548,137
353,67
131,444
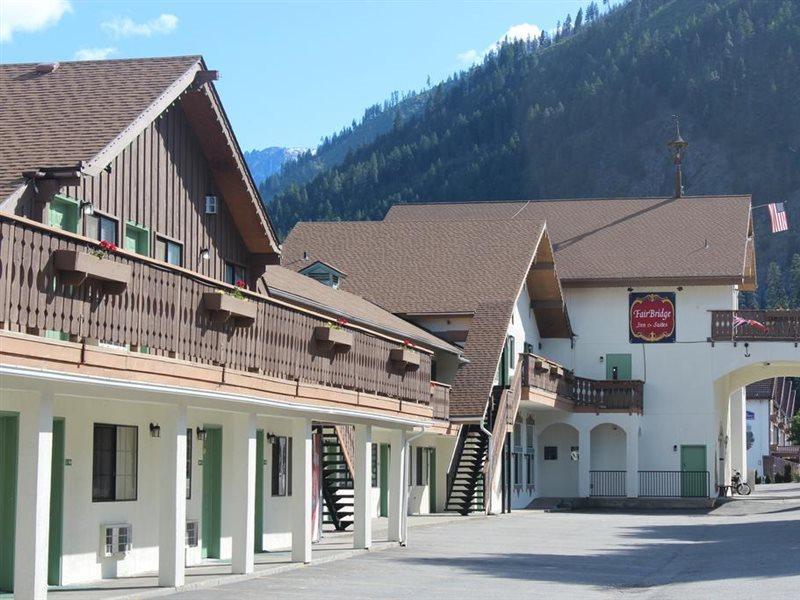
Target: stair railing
x,y
346,435
452,469
503,422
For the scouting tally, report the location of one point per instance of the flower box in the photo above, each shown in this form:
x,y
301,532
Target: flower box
x,y
405,356
339,338
224,307
76,266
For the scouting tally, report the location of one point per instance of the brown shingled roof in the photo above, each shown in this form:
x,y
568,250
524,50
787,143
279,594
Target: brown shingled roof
x,y
288,284
408,268
611,241
70,115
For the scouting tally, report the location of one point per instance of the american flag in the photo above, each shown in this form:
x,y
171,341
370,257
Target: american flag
x,y
738,321
777,217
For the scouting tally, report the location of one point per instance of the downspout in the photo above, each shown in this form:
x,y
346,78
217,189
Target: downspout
x,y
404,487
487,486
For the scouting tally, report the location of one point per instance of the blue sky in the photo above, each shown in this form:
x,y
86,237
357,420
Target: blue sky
x,y
290,72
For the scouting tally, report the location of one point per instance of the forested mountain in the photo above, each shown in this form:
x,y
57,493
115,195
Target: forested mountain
x,y
333,150
586,112
267,161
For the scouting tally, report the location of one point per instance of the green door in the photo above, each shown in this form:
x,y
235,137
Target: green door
x,y
506,362
618,366
694,477
258,537
56,504
432,480
384,480
9,432
212,492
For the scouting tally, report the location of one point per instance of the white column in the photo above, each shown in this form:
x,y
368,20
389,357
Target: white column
x,y
244,492
362,513
584,461
301,490
397,462
632,461
172,491
738,440
33,498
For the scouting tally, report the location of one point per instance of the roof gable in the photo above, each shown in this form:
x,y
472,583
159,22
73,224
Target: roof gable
x,y
83,114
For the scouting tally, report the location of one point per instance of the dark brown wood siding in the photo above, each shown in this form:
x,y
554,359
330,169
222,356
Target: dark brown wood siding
x,y
160,181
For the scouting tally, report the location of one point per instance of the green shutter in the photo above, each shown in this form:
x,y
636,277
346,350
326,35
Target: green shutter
x,y
137,239
64,213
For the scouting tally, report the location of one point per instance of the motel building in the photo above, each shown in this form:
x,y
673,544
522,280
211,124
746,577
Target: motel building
x,y
771,404
605,361
169,395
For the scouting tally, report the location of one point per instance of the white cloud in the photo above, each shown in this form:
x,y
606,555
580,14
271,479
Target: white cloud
x,y
126,27
30,15
94,53
523,31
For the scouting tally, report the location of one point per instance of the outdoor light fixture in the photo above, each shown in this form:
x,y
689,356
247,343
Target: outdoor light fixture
x,y
201,433
155,430
746,350
205,254
271,438
87,207
630,289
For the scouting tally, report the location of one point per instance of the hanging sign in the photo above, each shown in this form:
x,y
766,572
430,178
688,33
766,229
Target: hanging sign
x,y
651,317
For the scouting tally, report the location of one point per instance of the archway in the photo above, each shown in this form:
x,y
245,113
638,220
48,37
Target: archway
x,y
608,460
558,461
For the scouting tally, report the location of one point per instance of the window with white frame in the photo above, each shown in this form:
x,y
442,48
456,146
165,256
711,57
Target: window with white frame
x,y
282,466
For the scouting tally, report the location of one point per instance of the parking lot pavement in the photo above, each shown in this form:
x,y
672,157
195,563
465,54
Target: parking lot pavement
x,y
744,549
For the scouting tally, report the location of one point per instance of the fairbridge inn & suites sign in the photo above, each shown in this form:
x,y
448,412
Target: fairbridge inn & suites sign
x,y
651,317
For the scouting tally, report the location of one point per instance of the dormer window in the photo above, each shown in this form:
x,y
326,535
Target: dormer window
x,y
324,273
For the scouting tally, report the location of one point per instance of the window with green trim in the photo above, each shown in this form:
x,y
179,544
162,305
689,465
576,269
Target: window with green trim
x,y
234,273
53,334
137,239
65,213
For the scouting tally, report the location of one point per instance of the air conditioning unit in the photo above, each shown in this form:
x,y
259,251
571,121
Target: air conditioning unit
x,y
115,539
192,534
211,205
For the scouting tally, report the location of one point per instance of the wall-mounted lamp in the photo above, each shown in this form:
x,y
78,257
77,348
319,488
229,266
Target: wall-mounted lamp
x,y
747,350
680,288
271,438
205,254
201,433
155,430
630,289
87,207
602,358
675,447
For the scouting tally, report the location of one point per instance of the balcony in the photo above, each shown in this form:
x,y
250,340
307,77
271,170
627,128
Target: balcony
x,y
580,394
755,326
789,452
167,311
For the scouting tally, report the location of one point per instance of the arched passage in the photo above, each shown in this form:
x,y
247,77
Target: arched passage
x,y
608,460
558,461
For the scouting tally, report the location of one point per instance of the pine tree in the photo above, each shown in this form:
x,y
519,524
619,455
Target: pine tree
x,y
794,281
578,19
775,295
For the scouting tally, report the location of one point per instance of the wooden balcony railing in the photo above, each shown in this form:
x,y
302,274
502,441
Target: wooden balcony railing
x,y
778,326
440,400
785,451
597,394
160,309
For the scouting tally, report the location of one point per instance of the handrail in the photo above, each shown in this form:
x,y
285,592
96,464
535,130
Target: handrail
x,y
506,413
452,468
346,435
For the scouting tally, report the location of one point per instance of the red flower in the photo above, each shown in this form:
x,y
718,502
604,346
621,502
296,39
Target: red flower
x,y
408,343
240,283
342,321
108,246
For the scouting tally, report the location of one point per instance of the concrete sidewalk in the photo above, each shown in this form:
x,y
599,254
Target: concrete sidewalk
x,y
334,546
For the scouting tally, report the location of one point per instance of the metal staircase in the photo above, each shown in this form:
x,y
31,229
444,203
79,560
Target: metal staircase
x,y
337,476
465,481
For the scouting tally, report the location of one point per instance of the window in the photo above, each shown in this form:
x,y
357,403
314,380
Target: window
x,y
374,465
189,464
517,464
511,354
137,239
518,432
420,479
115,463
281,466
529,423
169,251
551,452
191,534
234,273
64,213
527,348
101,227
